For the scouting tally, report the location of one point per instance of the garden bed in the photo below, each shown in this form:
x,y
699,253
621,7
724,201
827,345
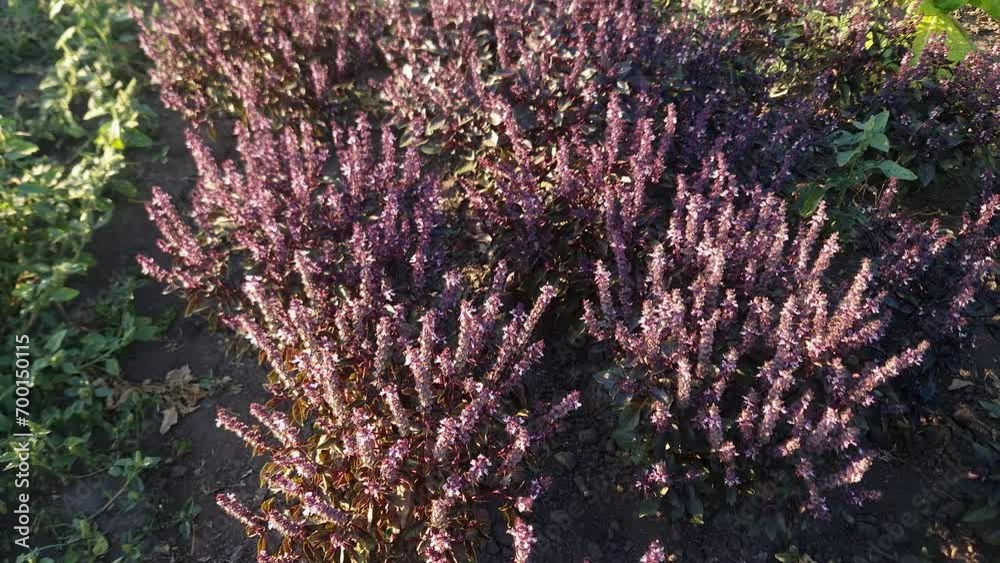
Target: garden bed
x,y
928,474
534,281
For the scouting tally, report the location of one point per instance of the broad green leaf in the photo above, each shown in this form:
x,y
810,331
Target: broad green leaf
x,y
880,120
880,142
628,420
30,188
959,42
695,507
991,7
55,340
926,172
65,37
845,156
936,20
992,537
16,149
468,166
846,138
64,294
809,200
895,170
949,5
430,148
55,8
137,139
100,546
608,379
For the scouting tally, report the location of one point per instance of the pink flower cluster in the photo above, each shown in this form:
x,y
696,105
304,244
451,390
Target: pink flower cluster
x,y
568,134
208,53
405,373
747,332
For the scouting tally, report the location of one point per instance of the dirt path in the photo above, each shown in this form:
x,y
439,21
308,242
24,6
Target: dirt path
x,y
213,460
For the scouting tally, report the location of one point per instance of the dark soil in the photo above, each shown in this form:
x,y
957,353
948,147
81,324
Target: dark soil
x,y
215,460
929,474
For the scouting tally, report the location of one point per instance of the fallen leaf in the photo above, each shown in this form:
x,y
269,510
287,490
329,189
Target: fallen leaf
x,y
169,419
179,376
125,394
958,384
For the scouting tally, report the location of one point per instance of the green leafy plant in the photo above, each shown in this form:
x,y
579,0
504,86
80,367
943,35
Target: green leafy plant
x,y
129,469
23,33
77,361
63,155
185,518
82,540
861,153
939,17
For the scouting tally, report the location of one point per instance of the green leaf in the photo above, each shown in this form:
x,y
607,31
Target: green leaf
x,y
137,139
809,200
16,149
880,120
895,170
846,138
982,514
111,366
992,537
770,528
628,420
880,142
936,20
145,332
949,5
55,340
65,37
29,189
926,171
845,157
55,8
431,148
64,294
73,441
608,379
959,42
991,7
100,545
